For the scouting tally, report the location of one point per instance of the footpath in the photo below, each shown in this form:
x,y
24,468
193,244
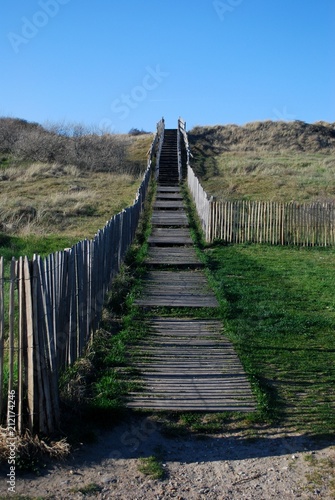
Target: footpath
x,y
186,363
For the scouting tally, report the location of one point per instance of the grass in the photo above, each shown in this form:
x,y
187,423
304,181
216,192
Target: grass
x,y
266,176
96,386
90,489
266,161
321,474
279,311
152,467
75,207
39,199
15,246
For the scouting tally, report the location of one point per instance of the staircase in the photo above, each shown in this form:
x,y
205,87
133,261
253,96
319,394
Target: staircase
x,y
168,163
185,363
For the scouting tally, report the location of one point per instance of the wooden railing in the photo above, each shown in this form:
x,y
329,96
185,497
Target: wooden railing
x,y
54,306
160,140
276,223
200,197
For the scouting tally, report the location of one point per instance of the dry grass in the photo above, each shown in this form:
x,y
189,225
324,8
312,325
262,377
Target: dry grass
x,y
322,474
301,177
48,199
59,198
266,161
30,448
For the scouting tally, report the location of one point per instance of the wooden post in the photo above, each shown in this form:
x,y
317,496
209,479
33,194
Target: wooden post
x,y
30,368
11,333
2,331
21,344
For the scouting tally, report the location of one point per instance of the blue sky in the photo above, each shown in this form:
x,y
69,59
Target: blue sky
x,y
117,65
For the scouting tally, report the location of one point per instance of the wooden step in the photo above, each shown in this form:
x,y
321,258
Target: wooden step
x,y
168,196
168,236
168,204
181,373
168,189
169,218
173,256
176,289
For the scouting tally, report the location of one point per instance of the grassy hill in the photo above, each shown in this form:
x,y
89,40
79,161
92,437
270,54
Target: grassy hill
x,y
276,161
65,181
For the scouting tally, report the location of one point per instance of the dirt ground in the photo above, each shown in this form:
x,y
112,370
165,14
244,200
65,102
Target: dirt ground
x,y
275,464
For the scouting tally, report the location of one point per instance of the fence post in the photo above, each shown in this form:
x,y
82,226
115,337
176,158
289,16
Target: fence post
x,y
11,333
2,331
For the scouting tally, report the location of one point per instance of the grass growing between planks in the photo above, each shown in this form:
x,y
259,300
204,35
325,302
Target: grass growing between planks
x,y
278,308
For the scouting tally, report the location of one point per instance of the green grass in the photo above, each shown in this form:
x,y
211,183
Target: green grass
x,y
278,307
152,467
15,246
96,385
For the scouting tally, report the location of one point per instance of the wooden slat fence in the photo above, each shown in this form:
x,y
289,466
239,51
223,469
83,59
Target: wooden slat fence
x,y
49,311
305,224
272,222
160,140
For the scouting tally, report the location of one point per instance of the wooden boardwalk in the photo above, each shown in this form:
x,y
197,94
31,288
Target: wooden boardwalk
x,y
189,365
185,364
176,289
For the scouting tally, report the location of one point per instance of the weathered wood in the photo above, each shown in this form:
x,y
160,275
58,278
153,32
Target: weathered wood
x,y
168,196
173,256
170,236
21,344
11,333
198,370
168,189
168,204
263,222
30,346
169,218
2,330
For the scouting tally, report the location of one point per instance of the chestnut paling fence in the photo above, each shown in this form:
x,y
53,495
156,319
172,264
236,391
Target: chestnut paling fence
x,y
49,310
276,223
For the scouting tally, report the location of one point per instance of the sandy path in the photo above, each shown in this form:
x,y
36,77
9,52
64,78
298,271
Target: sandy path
x,y
226,467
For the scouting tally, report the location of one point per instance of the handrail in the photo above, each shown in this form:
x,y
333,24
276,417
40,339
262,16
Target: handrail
x,y
160,139
200,197
182,131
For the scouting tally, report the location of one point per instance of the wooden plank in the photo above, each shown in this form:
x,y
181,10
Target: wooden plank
x,y
172,256
168,204
173,231
21,344
47,350
168,189
37,353
169,222
173,216
168,196
11,333
170,237
183,371
182,300
30,368
2,331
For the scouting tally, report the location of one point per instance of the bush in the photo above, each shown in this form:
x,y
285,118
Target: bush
x,y
67,145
